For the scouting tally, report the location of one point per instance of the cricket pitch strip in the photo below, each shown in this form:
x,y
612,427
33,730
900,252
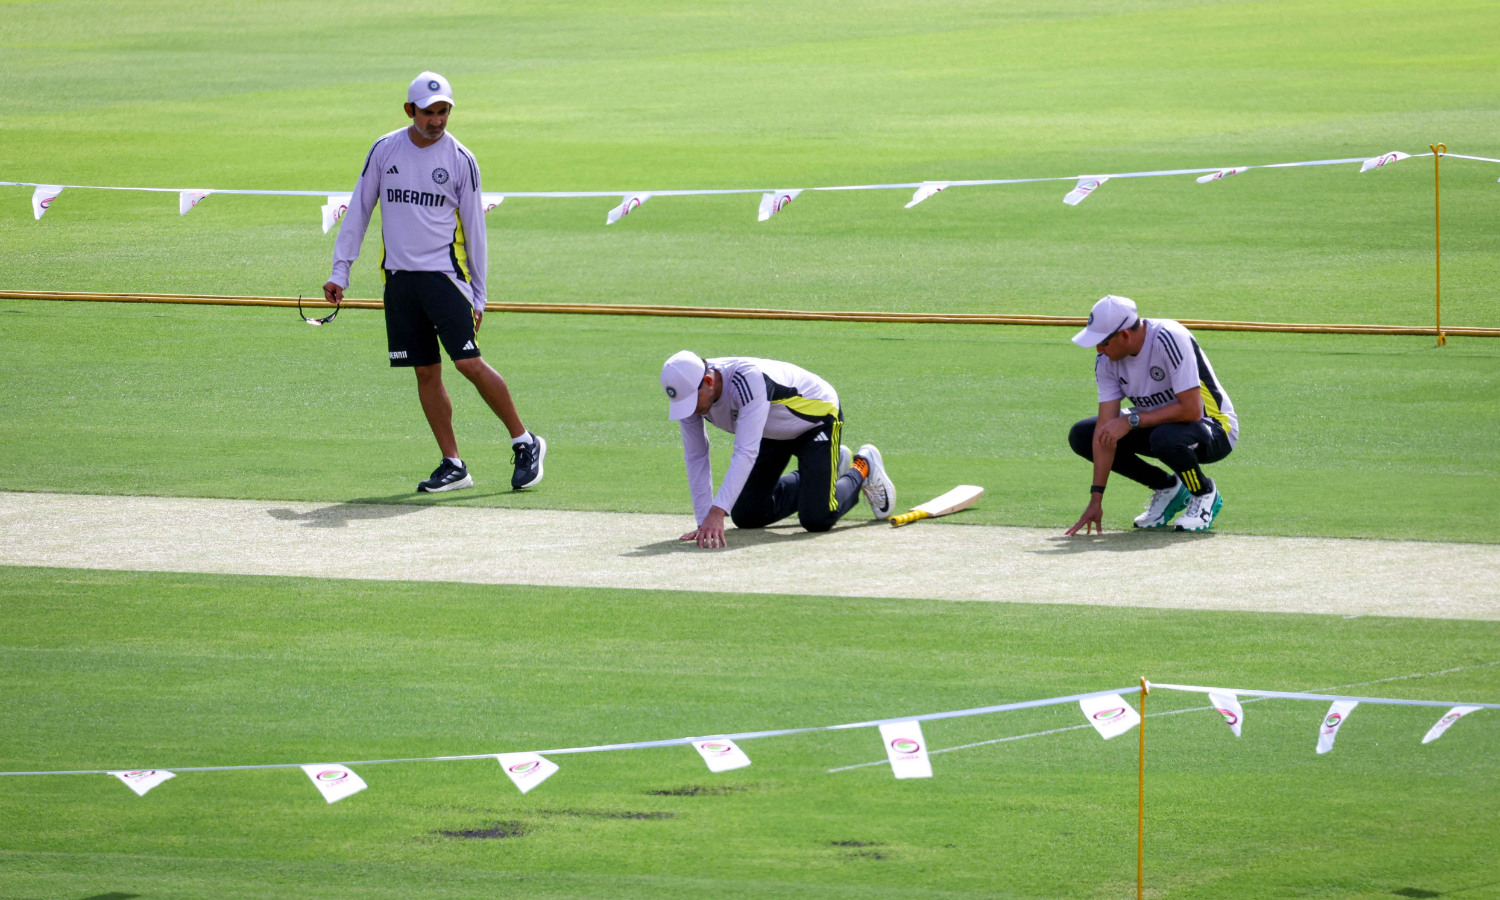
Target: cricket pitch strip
x,y
859,559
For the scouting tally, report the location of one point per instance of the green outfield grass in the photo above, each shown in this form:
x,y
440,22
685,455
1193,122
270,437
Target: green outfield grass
x,y
1353,436
606,96
121,669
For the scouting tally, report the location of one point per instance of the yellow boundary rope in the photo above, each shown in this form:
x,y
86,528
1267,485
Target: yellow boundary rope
x,y
718,312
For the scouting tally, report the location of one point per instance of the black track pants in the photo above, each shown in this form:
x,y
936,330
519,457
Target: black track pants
x,y
811,491
1181,445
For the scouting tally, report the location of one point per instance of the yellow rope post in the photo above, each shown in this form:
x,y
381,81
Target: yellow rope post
x,y
1140,832
1437,234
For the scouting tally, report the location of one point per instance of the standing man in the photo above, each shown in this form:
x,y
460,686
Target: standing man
x,y
1180,415
433,262
775,411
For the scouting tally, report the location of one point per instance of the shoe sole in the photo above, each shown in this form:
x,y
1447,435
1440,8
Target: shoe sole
x,y
1178,504
541,457
877,465
1213,513
466,482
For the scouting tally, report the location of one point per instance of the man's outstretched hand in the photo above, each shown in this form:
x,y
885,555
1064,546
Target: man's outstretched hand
x,y
711,533
1092,518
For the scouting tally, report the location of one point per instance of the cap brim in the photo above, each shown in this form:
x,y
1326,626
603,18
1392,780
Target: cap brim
x,y
1087,338
683,407
433,99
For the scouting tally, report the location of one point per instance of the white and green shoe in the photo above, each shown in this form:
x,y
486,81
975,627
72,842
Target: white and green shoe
x,y
1200,512
1163,505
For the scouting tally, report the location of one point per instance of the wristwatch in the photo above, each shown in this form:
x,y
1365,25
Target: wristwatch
x,y
1134,419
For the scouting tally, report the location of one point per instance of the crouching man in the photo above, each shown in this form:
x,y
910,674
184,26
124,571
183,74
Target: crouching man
x,y
1180,415
775,411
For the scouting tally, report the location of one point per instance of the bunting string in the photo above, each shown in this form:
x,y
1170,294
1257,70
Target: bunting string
x,y
906,747
773,200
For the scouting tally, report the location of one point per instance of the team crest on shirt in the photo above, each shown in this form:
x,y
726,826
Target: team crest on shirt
x,y
1157,374
440,176
671,392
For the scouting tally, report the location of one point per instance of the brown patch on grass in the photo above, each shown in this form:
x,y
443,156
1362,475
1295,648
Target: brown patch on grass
x,y
496,831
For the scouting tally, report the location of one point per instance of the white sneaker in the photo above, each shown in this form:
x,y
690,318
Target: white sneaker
x,y
877,487
1163,505
846,461
1200,512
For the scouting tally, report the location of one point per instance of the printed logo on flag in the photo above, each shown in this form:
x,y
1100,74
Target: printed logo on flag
x,y
334,781
1453,715
143,780
1081,190
490,201
526,770
1383,160
721,754
1338,714
906,749
1229,716
47,202
1110,715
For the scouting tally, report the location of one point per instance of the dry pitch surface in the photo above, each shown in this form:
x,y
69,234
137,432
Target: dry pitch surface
x,y
590,549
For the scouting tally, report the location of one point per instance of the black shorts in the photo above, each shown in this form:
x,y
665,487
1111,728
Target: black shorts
x,y
420,309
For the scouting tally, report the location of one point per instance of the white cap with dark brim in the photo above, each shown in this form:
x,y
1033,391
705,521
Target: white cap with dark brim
x,y
680,377
429,88
1109,315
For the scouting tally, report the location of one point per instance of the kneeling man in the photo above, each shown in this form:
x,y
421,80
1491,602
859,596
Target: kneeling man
x,y
1180,415
775,411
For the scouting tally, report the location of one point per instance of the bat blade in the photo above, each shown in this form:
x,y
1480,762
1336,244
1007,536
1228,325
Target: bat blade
x,y
961,497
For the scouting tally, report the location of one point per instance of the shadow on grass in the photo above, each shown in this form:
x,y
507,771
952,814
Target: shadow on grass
x,y
740,538
360,509
1122,542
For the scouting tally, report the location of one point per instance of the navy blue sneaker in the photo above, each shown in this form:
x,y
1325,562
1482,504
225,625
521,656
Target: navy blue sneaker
x,y
446,477
528,459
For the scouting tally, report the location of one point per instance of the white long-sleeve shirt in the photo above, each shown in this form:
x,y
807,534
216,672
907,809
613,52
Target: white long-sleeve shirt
x,y
762,398
431,213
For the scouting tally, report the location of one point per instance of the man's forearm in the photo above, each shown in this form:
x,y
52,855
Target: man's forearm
x,y
1104,459
1176,411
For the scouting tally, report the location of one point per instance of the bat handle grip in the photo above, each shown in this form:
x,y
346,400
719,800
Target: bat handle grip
x,y
909,517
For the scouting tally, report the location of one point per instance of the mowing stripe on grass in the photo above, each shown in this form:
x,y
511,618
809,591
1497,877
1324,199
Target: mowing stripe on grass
x,y
416,542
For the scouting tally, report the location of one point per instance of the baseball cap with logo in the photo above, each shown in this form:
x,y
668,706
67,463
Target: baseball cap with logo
x,y
680,377
1109,315
427,89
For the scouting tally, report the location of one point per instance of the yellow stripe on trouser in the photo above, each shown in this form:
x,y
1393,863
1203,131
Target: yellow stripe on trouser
x,y
1192,481
833,480
1211,407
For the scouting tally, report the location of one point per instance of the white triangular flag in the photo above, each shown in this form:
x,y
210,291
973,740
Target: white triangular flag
x,y
143,780
1110,715
1384,160
527,770
489,201
627,206
334,781
775,202
721,754
1454,714
1222,174
42,197
1086,185
334,209
1338,714
186,200
907,749
1228,706
927,189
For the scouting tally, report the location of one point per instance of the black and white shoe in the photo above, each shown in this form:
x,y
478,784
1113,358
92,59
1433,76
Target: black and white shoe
x,y
446,477
528,459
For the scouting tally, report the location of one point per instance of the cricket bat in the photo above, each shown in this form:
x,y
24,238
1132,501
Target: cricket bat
x,y
961,497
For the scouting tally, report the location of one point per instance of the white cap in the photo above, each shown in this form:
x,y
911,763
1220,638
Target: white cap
x,y
680,377
427,89
1109,315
